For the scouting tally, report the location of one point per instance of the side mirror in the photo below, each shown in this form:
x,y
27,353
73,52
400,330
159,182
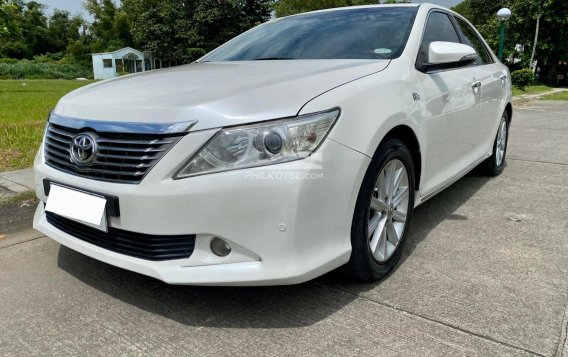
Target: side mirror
x,y
443,55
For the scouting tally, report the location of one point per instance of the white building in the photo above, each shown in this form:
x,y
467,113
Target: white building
x,y
110,64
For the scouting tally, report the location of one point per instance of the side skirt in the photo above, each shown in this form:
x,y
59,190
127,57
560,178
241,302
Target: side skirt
x,y
441,187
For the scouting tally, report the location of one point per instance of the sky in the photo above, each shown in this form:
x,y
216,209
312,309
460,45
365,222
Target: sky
x,y
75,6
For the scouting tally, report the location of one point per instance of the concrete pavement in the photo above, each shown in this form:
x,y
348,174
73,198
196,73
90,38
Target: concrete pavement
x,y
14,182
484,272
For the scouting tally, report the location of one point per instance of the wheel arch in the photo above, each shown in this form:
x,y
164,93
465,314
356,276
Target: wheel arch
x,y
407,135
509,110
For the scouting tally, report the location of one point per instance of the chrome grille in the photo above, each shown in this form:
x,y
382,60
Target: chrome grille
x,y
120,157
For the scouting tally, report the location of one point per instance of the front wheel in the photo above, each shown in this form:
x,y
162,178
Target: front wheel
x,y
495,164
383,211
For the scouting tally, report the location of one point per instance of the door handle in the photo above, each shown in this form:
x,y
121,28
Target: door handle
x,y
476,86
503,79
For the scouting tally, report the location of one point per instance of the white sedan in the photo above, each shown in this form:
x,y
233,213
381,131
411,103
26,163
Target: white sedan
x,y
298,147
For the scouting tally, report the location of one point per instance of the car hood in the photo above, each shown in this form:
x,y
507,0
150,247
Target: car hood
x,y
215,94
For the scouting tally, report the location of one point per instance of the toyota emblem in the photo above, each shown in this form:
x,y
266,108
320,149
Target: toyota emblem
x,y
83,149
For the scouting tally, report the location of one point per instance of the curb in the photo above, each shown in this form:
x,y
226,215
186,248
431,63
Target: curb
x,y
16,182
529,97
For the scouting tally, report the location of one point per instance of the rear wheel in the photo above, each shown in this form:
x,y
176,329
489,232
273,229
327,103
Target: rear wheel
x,y
383,211
495,164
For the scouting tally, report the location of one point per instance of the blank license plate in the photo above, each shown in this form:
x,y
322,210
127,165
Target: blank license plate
x,y
83,207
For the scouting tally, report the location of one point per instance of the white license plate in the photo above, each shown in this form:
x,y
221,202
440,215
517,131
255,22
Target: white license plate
x,y
83,207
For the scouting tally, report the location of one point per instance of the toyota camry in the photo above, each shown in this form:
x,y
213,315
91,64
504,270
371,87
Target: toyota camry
x,y
300,146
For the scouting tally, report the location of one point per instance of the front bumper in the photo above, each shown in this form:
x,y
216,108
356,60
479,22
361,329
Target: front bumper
x,y
287,223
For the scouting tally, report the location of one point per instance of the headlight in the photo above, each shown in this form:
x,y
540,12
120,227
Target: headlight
x,y
261,144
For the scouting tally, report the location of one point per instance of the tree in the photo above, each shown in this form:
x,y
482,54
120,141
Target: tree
x,y
187,29
24,29
110,29
62,30
34,28
11,44
291,7
552,46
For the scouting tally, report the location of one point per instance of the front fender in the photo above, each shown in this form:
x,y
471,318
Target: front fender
x,y
372,106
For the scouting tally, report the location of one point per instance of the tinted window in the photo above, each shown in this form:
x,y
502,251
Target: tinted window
x,y
472,39
367,33
438,28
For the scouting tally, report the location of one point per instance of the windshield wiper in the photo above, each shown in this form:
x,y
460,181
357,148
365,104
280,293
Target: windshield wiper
x,y
272,58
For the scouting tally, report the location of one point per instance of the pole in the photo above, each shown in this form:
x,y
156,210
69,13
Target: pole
x,y
534,43
501,40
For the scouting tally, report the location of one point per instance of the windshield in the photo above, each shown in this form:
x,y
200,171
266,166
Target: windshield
x,y
359,33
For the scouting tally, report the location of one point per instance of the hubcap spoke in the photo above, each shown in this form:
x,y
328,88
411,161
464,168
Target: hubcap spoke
x,y
379,205
379,236
392,235
401,195
389,179
399,216
373,223
397,178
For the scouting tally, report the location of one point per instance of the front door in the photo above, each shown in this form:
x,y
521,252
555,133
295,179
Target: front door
x,y
452,107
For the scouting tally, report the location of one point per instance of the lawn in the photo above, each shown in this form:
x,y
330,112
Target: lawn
x,y
23,112
531,90
557,96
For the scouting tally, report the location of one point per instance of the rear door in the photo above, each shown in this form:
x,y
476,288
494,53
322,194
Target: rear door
x,y
492,78
451,108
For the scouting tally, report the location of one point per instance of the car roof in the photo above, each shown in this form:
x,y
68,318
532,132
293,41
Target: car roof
x,y
426,5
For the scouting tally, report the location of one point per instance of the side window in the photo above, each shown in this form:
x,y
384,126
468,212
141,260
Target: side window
x,y
472,39
438,28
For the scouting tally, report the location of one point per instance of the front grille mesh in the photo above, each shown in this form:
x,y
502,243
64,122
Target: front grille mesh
x,y
124,158
143,246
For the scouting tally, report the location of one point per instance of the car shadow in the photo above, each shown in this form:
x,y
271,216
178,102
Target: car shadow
x,y
257,307
231,307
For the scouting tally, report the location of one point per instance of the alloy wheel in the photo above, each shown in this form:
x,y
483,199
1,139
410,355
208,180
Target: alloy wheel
x,y
389,208
501,142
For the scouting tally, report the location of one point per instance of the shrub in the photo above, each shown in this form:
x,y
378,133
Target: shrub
x,y
25,69
522,78
8,60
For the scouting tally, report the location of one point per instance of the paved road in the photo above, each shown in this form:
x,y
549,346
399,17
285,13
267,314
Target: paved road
x,y
484,273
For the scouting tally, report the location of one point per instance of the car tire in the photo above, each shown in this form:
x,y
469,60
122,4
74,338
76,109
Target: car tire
x,y
495,164
377,230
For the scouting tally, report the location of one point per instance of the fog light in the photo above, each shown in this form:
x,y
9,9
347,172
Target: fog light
x,y
220,247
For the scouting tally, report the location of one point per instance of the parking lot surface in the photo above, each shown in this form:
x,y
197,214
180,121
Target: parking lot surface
x,y
484,272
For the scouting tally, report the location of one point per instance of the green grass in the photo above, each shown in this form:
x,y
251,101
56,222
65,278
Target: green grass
x,y
24,197
557,96
531,90
23,112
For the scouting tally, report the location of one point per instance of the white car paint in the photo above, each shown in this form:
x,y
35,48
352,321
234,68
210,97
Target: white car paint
x,y
282,231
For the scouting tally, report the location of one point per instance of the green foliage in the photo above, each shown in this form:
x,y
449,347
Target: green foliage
x,y
552,45
522,78
111,25
291,7
26,32
41,69
187,29
63,29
